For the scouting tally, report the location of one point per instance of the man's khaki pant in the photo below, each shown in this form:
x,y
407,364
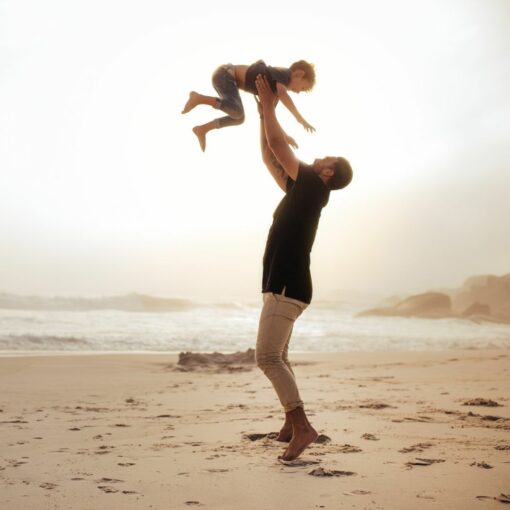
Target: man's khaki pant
x,y
275,328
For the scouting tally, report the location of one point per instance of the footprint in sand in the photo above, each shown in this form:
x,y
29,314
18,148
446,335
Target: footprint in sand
x,y
48,485
329,472
107,489
109,480
418,447
258,436
482,464
502,498
104,449
298,462
426,496
418,418
423,462
349,448
375,405
484,402
15,463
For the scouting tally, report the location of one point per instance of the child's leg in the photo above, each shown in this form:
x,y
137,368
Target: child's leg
x,y
229,101
201,131
195,99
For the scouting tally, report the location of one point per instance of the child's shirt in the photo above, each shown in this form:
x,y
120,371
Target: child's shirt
x,y
274,75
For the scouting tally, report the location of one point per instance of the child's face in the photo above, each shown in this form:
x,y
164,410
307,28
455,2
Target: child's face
x,y
298,83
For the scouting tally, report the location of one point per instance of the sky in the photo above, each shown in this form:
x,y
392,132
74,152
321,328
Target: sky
x,y
104,190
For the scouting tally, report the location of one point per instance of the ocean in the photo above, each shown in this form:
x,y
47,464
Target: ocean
x,y
143,323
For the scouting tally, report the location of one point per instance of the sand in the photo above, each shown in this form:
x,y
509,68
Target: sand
x,y
132,431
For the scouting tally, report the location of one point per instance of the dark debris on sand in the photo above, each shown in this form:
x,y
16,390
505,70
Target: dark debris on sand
x,y
485,402
256,436
482,464
216,361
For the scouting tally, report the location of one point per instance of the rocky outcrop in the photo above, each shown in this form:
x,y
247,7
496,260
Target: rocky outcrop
x,y
476,309
429,304
481,298
488,291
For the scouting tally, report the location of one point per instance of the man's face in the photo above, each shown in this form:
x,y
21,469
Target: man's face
x,y
323,163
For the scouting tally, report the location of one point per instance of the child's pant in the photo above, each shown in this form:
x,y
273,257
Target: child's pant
x,y
229,101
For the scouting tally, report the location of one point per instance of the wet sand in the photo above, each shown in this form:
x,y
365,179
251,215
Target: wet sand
x,y
122,431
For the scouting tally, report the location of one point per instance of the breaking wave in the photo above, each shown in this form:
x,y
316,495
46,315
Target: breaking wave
x,y
127,303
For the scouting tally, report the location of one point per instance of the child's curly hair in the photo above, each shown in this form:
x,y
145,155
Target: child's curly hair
x,y
307,68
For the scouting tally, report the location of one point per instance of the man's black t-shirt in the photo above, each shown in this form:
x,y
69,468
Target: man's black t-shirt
x,y
291,237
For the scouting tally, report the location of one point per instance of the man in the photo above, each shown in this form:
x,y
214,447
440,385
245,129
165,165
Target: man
x,y
286,282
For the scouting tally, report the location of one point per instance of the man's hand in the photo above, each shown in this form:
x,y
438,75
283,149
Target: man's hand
x,y
266,95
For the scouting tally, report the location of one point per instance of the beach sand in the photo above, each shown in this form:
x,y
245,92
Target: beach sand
x,y
122,431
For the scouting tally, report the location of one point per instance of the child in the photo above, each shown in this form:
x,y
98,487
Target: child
x,y
228,79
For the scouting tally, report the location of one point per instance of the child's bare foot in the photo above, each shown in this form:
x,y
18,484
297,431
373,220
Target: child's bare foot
x,y
200,132
300,440
191,103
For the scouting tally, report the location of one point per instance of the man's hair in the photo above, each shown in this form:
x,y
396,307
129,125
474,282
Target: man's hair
x,y
307,68
342,176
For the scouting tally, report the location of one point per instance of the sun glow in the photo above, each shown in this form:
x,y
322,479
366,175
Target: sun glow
x,y
103,187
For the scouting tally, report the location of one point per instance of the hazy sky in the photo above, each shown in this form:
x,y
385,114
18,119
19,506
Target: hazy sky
x,y
103,188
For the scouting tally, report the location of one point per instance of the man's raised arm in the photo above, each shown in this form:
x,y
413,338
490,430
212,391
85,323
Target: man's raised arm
x,y
275,136
269,159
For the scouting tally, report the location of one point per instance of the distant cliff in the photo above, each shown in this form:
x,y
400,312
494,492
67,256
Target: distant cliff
x,y
481,298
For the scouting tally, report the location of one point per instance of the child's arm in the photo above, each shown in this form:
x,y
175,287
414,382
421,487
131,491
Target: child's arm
x,y
289,104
